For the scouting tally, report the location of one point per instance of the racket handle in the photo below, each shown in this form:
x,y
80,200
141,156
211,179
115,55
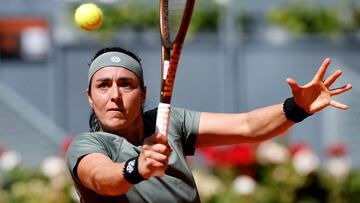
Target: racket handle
x,y
162,118
162,124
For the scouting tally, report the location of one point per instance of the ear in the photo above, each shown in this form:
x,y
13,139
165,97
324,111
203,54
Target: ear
x,y
89,98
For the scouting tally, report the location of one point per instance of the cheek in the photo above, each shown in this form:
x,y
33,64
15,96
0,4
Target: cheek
x,y
135,100
99,101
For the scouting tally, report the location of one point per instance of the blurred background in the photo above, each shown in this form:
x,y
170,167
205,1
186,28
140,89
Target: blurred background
x,y
236,58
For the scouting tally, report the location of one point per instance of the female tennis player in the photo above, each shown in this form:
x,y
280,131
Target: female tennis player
x,y
119,160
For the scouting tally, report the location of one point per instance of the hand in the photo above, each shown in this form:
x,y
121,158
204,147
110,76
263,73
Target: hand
x,y
154,155
316,95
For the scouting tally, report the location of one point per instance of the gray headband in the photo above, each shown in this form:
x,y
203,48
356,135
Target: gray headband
x,y
115,59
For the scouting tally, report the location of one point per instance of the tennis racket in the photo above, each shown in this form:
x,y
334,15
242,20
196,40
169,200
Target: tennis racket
x,y
175,16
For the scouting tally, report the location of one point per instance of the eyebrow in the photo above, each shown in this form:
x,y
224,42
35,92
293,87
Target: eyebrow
x,y
103,79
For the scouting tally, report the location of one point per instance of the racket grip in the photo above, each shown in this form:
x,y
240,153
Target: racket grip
x,y
162,124
162,118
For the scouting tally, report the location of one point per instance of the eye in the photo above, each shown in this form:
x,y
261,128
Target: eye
x,y
125,84
103,85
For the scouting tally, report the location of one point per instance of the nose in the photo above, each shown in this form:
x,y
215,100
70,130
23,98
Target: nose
x,y
115,94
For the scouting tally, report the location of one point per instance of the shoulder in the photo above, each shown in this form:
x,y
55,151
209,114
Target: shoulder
x,y
177,115
184,115
96,142
95,138
175,112
89,142
181,120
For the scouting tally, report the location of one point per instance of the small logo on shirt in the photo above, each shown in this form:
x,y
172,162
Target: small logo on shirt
x,y
115,59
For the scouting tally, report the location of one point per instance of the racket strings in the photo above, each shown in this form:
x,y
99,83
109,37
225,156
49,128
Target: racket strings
x,y
175,14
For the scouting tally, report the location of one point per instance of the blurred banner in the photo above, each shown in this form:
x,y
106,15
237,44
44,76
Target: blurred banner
x,y
24,38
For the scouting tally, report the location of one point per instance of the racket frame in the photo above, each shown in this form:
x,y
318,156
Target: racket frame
x,y
170,55
171,51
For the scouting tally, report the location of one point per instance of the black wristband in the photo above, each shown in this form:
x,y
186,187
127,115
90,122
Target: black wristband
x,y
131,172
294,112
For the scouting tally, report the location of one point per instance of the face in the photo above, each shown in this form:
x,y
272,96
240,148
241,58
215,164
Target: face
x,y
116,97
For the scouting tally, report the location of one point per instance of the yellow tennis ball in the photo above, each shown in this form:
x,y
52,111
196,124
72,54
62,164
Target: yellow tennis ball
x,y
88,16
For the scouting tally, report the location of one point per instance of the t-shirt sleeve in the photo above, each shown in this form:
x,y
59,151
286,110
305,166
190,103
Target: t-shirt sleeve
x,y
82,145
187,122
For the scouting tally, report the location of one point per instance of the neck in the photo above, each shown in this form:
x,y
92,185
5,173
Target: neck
x,y
134,134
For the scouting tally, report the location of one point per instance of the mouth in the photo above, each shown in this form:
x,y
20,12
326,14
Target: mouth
x,y
116,110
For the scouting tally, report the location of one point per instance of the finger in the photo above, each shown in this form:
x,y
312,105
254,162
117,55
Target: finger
x,y
158,169
152,168
153,164
149,154
293,85
156,156
332,78
160,148
338,105
156,138
160,139
340,90
322,70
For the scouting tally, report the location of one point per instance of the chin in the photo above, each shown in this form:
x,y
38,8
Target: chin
x,y
117,124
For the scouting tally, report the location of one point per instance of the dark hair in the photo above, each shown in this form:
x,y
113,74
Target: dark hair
x,y
115,49
94,122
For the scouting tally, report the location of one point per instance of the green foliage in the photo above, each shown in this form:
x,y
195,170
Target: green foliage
x,y
278,174
302,17
349,191
140,15
204,20
275,183
281,184
356,17
129,16
23,185
299,19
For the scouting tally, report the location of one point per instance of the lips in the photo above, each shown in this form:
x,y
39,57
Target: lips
x,y
116,109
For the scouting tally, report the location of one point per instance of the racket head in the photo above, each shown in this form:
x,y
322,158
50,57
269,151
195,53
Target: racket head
x,y
175,16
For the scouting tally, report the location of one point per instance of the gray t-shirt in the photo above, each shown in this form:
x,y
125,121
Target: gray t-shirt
x,y
177,185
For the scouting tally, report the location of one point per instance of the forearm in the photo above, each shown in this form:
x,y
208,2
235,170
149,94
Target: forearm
x,y
257,125
267,122
109,180
100,174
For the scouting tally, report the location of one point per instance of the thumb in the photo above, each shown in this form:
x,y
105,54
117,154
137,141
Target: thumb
x,y
293,85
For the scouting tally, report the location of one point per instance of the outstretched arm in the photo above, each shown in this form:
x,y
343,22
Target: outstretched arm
x,y
221,129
